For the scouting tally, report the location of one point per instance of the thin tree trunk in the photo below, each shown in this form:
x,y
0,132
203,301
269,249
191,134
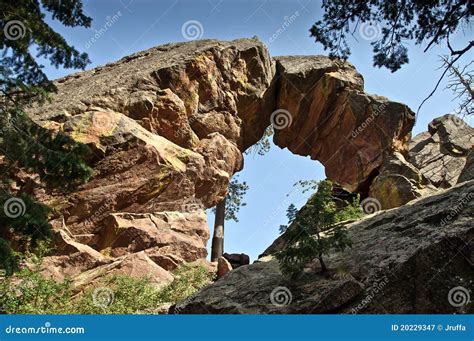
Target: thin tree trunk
x,y
218,237
320,256
462,80
323,265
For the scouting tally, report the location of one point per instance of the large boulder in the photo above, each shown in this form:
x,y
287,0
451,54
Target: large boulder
x,y
166,127
413,259
398,182
440,153
437,158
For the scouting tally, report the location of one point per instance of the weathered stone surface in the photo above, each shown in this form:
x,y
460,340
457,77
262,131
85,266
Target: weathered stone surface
x,y
404,260
260,288
71,258
440,154
332,120
435,160
180,234
137,265
398,183
223,267
467,172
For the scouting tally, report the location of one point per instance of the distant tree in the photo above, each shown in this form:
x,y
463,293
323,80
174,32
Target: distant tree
x,y
461,84
55,158
398,22
312,232
263,145
227,210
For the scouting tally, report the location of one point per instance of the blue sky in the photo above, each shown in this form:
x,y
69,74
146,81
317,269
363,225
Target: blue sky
x,y
141,24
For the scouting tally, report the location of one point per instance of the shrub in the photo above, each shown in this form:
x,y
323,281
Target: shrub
x,y
312,232
188,280
118,294
28,292
31,293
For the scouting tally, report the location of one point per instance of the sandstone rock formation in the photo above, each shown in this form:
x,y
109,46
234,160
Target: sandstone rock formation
x,y
167,128
438,158
440,153
335,122
223,267
404,260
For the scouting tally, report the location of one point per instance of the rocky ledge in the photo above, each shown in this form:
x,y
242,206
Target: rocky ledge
x,y
411,259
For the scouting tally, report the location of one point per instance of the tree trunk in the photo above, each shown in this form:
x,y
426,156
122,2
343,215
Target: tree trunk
x,y
218,237
323,265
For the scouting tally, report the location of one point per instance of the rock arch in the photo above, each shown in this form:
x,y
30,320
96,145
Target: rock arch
x,y
168,127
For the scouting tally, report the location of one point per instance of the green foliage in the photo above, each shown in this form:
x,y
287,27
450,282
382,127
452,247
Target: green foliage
x,y
398,21
237,190
188,280
123,295
24,20
56,158
263,145
8,259
26,217
28,292
313,232
235,194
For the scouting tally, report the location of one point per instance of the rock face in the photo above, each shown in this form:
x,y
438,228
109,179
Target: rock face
x,y
331,119
223,267
414,259
167,128
440,154
398,183
438,158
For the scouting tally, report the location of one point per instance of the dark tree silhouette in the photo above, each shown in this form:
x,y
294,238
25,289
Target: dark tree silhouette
x,y
55,158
